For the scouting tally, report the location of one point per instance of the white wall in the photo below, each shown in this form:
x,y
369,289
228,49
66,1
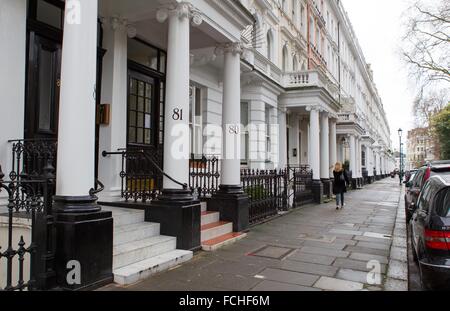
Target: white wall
x,y
12,76
114,92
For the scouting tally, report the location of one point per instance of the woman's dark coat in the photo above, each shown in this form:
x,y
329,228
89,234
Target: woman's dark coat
x,y
339,185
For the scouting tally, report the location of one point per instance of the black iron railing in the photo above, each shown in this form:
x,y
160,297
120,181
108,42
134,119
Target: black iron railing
x,y
267,192
204,175
29,200
301,179
30,157
141,175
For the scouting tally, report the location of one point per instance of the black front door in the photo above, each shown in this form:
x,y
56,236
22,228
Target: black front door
x,y
43,86
143,114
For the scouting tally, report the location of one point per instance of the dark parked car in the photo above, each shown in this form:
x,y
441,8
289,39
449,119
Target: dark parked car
x,y
415,185
409,175
430,233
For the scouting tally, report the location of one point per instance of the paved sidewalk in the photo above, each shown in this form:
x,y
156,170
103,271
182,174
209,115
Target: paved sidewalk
x,y
313,248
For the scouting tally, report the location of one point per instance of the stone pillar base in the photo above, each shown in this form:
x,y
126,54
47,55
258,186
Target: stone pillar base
x,y
360,183
233,205
354,183
178,215
317,189
327,191
84,240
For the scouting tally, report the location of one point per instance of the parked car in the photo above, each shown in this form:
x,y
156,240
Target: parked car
x,y
415,185
409,175
430,233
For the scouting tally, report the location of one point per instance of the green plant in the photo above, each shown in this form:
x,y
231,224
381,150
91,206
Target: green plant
x,y
256,192
440,127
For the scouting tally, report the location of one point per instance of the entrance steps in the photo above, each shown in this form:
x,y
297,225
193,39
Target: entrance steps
x,y
139,250
215,233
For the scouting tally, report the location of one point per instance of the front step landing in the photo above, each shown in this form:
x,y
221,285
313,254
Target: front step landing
x,y
143,269
139,249
215,233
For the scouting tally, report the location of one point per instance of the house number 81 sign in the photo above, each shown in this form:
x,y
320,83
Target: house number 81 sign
x,y
177,114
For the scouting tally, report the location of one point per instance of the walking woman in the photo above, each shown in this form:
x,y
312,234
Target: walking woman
x,y
340,184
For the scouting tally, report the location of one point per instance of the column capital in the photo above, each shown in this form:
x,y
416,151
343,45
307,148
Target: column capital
x,y
230,47
181,10
118,23
313,108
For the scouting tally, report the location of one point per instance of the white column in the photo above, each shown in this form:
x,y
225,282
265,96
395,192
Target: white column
x,y
13,21
231,116
369,164
358,157
257,134
324,146
314,158
114,92
282,145
176,129
377,162
293,140
76,135
333,146
353,166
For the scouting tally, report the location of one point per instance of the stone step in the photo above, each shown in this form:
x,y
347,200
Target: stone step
x,y
123,216
135,232
210,217
204,206
223,240
143,269
215,229
132,252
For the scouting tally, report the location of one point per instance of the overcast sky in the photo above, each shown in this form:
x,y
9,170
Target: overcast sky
x,y
378,26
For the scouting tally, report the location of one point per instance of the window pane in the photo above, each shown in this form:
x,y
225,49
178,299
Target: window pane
x,y
147,121
147,137
133,86
162,62
45,89
148,90
141,88
140,136
148,106
131,134
49,14
198,102
140,104
133,100
132,118
244,114
140,120
143,54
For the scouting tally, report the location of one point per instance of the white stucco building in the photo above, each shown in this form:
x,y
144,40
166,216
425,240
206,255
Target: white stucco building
x,y
285,81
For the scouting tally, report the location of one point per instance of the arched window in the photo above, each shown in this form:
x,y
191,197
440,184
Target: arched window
x,y
285,59
269,39
295,64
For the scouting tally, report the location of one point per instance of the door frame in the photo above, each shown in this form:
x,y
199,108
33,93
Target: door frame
x,y
35,27
143,72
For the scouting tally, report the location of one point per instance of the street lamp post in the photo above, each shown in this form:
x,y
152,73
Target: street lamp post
x,y
400,133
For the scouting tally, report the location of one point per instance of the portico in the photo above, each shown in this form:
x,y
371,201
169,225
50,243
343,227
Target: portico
x,y
151,112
